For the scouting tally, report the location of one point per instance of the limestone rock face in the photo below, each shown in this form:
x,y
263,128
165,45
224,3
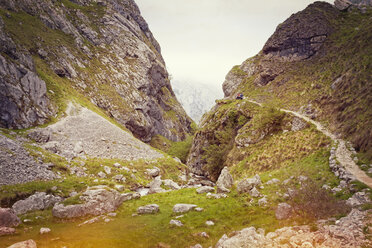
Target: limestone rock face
x,y
106,52
298,38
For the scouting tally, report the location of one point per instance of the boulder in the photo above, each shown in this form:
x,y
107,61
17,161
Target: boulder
x,y
358,199
254,192
225,181
262,202
247,184
216,196
148,209
283,211
204,189
171,184
6,230
8,218
246,238
38,201
40,135
175,223
97,200
273,181
183,208
44,230
24,244
155,186
154,172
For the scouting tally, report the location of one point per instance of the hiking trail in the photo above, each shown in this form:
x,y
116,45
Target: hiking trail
x,y
343,155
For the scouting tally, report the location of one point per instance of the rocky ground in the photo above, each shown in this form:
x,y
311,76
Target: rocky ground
x,y
84,133
18,166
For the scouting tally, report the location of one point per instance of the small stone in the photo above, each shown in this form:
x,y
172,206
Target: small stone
x,y
112,214
183,208
44,230
101,174
119,187
175,223
148,209
199,209
117,165
107,170
273,181
6,230
204,189
209,223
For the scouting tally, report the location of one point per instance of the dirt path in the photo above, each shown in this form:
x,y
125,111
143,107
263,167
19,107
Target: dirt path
x,y
343,155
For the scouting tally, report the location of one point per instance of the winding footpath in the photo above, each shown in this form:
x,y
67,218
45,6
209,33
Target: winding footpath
x,y
343,155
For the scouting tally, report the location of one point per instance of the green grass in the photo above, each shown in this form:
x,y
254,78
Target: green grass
x,y
229,214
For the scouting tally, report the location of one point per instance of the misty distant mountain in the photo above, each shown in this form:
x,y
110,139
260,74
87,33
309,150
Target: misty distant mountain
x,y
196,98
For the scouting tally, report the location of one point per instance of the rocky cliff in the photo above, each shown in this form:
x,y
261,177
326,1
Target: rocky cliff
x,y
317,63
92,51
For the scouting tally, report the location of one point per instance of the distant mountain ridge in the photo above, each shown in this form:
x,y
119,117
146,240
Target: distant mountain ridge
x,y
196,98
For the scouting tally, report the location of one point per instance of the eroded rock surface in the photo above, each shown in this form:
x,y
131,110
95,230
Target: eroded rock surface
x,y
38,201
97,200
111,57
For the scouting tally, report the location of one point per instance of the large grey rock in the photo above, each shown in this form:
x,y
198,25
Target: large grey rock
x,y
248,184
8,218
98,200
148,209
24,244
38,201
358,199
283,211
155,186
175,223
225,181
171,184
246,238
204,189
183,208
154,172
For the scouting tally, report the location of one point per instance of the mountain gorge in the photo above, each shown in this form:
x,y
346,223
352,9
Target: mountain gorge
x,y
102,52
96,150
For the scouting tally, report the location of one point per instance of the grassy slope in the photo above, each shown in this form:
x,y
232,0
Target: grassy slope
x,y
232,213
346,54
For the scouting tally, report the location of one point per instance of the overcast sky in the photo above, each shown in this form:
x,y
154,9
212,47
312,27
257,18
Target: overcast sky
x,y
201,40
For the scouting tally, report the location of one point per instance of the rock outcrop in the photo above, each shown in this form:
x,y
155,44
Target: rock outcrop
x,y
97,200
103,50
38,201
347,232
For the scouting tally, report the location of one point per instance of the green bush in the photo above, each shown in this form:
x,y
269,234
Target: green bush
x,y
181,149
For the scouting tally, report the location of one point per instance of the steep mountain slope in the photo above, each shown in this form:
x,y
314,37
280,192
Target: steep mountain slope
x,y
99,52
318,62
195,98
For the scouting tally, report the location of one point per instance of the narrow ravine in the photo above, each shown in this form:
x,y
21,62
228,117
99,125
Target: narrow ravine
x,y
343,155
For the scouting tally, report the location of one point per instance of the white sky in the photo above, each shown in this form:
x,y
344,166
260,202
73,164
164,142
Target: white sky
x,y
201,40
